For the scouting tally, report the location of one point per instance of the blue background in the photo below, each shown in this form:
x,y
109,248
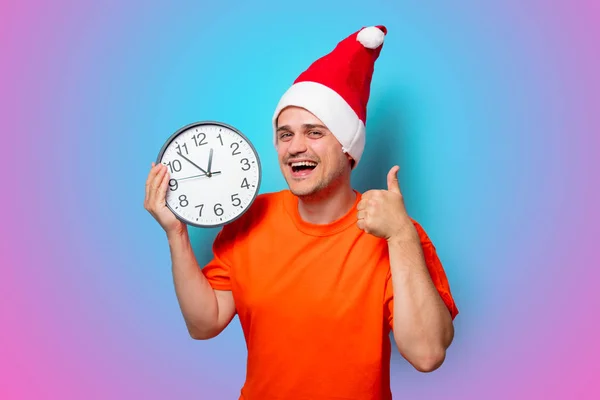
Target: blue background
x,y
488,107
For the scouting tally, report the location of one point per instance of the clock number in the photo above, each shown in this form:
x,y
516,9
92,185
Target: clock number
x,y
174,166
184,146
246,164
235,151
245,184
235,200
200,206
218,210
201,142
173,184
183,201
220,139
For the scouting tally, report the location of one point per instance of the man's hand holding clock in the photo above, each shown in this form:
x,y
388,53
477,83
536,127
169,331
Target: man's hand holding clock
x,y
156,188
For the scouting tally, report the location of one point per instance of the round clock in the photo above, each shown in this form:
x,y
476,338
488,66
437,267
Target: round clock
x,y
214,172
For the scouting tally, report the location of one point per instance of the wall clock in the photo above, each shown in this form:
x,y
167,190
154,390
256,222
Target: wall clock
x,y
215,173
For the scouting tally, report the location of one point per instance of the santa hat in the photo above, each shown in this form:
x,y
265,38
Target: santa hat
x,y
336,88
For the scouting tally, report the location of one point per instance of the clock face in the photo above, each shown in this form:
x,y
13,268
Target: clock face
x,y
214,173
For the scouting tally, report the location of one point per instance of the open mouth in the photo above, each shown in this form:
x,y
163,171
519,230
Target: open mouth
x,y
302,168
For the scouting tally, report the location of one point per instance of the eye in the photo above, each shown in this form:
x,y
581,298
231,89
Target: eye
x,y
284,135
315,133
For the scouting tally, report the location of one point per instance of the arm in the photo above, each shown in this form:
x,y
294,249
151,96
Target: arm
x,y
422,321
206,311
422,326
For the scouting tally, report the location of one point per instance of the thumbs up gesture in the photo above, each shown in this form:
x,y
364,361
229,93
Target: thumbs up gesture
x,y
382,213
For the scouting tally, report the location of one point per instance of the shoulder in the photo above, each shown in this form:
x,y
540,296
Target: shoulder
x,y
429,249
426,243
264,206
422,234
264,203
265,199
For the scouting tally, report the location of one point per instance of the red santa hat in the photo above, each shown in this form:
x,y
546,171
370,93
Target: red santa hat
x,y
336,88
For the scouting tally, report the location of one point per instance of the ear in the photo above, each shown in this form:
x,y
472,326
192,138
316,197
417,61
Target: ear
x,y
350,160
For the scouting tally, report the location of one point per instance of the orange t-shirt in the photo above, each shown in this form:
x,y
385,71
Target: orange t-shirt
x,y
315,302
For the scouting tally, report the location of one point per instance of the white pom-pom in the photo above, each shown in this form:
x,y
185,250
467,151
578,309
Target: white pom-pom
x,y
371,37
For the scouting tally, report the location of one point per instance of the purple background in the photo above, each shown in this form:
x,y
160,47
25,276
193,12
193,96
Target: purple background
x,y
490,108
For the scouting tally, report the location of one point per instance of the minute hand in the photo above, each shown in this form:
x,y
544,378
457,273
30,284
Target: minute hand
x,y
191,162
210,162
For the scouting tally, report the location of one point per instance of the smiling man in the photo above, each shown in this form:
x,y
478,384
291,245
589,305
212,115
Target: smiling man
x,y
319,274
314,165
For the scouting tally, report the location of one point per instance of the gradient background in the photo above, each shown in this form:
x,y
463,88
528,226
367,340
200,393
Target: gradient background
x,y
490,108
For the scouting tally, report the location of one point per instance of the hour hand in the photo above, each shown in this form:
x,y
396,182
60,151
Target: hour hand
x,y
191,162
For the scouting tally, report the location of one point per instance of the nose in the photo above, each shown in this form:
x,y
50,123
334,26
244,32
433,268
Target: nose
x,y
297,144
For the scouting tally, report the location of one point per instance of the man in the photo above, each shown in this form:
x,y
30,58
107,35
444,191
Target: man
x,y
319,273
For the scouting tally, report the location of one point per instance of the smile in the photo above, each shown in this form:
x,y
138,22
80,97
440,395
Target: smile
x,y
302,168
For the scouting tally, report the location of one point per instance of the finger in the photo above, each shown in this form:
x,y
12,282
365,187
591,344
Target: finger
x,y
158,179
153,171
361,224
361,214
162,190
150,178
392,180
361,205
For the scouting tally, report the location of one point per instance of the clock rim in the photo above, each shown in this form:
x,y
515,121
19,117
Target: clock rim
x,y
226,126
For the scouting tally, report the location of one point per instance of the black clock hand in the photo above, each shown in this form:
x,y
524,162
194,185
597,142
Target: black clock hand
x,y
191,162
210,162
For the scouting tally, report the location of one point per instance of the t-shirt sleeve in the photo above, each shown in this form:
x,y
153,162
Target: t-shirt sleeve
x,y
436,271
218,270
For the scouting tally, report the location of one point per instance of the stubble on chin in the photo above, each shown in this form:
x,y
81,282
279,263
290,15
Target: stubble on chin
x,y
318,189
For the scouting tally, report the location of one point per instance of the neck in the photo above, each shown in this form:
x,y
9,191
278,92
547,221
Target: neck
x,y
326,206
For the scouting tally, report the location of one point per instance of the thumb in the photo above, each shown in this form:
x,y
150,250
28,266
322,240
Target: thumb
x,y
392,179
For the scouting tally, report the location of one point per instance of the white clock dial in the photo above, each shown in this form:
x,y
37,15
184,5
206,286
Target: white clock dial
x,y
214,173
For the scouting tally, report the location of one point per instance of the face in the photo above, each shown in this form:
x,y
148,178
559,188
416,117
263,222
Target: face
x,y
310,156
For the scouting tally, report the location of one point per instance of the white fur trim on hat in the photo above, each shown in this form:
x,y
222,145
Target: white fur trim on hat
x,y
327,105
370,37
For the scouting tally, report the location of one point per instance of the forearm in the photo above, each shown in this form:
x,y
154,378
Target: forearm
x,y
196,297
423,327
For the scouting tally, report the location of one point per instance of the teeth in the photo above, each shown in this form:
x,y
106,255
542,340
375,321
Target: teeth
x,y
304,163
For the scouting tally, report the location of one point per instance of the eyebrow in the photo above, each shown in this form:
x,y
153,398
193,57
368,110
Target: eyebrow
x,y
305,126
